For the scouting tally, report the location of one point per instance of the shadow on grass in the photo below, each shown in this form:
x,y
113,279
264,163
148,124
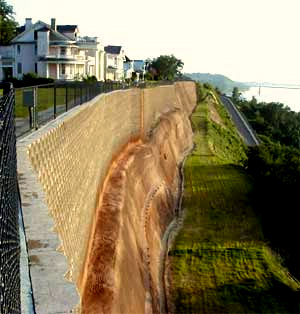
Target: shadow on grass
x,y
219,256
242,297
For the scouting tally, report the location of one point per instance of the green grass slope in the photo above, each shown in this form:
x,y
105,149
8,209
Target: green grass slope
x,y
219,262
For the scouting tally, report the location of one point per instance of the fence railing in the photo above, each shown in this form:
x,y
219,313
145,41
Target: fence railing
x,y
36,105
9,200
22,110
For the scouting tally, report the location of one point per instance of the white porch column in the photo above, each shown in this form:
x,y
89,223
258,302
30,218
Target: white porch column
x,y
57,71
47,70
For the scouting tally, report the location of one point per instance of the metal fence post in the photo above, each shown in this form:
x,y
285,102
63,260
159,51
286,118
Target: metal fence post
x,y
35,113
75,95
66,97
54,101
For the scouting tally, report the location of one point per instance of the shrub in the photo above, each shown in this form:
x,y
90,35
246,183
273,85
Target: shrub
x,y
30,79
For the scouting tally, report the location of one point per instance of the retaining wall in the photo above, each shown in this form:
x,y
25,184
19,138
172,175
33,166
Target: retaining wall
x,y
72,159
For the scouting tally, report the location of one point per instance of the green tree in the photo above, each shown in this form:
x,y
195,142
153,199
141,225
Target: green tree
x,y
8,25
275,170
89,79
236,95
273,120
165,67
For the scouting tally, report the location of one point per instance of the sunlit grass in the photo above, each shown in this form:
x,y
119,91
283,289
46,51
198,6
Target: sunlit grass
x,y
220,262
45,99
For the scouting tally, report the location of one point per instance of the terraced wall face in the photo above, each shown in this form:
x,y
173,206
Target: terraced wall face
x,y
73,159
160,100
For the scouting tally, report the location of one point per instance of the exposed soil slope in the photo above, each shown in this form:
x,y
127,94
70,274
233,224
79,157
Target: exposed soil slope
x,y
137,205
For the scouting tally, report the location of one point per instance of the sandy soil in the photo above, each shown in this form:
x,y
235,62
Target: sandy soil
x,y
138,203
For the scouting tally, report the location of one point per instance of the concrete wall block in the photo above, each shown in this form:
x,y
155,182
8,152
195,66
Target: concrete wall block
x,y
72,159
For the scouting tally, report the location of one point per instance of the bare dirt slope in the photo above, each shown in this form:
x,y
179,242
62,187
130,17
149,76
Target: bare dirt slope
x,y
134,210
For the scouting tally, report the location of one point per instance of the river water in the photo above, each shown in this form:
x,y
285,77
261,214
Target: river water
x,y
288,96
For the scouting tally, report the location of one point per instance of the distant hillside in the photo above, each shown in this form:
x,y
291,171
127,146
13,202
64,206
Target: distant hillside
x,y
224,83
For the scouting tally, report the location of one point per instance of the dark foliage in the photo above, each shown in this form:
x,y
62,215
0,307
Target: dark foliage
x,y
273,121
164,68
275,170
90,79
8,25
30,79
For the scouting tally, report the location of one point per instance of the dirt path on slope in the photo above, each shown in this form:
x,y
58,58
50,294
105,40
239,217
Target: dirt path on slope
x,y
98,282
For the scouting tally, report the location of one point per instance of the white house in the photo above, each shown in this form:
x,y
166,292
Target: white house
x,y
128,68
134,66
114,63
6,62
139,66
55,51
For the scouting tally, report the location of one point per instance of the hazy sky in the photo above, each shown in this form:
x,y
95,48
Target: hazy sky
x,y
247,40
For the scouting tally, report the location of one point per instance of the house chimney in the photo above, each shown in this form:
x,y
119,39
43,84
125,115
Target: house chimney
x,y
53,23
28,24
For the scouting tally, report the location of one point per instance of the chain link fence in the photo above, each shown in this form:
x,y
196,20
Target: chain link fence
x,y
9,226
22,110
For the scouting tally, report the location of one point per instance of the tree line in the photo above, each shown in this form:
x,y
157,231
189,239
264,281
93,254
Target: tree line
x,y
275,169
8,25
272,121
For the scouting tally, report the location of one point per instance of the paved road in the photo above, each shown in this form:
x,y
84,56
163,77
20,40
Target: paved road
x,y
241,123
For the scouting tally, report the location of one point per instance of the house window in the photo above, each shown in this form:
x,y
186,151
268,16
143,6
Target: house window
x,y
63,50
18,49
63,69
35,68
19,68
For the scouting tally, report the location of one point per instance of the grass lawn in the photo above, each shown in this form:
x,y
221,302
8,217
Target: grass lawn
x,y
219,262
45,99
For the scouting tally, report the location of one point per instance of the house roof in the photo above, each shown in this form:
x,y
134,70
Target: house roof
x,y
43,29
60,28
113,49
66,28
127,59
54,35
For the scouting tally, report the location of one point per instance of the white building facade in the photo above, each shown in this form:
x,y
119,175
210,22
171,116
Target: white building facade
x,y
7,61
114,63
52,51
